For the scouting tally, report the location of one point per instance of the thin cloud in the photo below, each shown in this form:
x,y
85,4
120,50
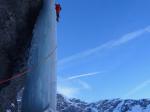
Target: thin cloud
x,y
148,28
82,75
138,88
84,84
68,91
114,43
72,88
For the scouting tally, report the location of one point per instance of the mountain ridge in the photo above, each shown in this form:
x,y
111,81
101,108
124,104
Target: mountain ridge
x,y
113,105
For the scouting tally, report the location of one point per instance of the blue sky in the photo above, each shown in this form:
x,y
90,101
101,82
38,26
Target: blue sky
x,y
103,49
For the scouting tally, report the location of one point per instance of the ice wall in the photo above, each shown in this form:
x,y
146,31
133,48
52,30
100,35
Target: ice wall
x,y
40,87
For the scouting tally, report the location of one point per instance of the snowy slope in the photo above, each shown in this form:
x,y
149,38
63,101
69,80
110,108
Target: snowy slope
x,y
116,105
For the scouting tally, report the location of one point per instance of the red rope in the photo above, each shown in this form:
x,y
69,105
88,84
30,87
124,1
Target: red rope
x,y
24,72
14,77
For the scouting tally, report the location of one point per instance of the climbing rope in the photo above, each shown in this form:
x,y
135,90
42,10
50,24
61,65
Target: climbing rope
x,y
28,69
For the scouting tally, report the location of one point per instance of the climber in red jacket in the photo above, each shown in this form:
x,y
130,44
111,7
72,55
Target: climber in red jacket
x,y
58,9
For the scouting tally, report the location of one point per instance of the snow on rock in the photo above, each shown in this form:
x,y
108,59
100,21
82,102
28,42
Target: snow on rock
x,y
115,105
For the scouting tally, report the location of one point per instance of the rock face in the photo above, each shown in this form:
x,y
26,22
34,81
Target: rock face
x,y
116,105
17,19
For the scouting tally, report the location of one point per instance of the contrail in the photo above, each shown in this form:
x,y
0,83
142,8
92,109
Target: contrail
x,y
82,75
110,44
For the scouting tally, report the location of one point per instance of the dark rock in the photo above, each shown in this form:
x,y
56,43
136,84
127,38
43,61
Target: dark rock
x,y
17,19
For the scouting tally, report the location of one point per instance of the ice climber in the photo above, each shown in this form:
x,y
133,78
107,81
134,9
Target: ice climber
x,y
58,9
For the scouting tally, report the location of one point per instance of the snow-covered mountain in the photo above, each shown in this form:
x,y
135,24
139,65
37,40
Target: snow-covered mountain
x,y
115,105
